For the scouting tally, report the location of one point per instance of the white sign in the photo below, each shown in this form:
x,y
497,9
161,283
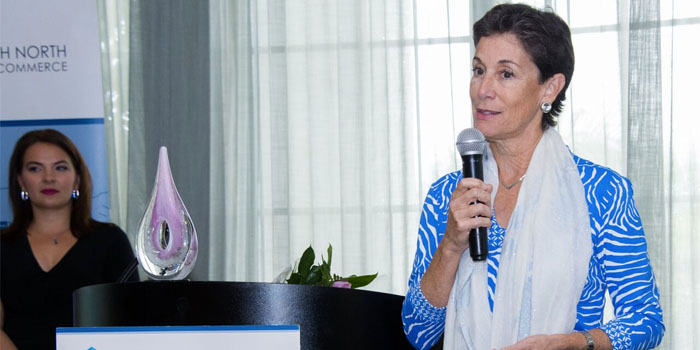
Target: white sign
x,y
280,337
49,60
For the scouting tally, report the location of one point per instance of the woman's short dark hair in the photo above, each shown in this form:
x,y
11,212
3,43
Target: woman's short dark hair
x,y
80,221
544,36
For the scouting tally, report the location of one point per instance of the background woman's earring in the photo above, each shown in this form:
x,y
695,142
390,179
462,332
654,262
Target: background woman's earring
x,y
24,195
546,107
75,194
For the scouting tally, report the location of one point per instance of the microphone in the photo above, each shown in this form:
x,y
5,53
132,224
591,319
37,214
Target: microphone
x,y
471,145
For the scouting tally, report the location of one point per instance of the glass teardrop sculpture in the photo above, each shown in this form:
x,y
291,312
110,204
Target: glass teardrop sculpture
x,y
167,240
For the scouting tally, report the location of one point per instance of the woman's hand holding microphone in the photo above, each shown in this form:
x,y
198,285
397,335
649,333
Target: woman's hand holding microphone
x,y
470,208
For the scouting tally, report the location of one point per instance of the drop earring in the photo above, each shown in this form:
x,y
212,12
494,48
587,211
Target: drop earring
x,y
75,194
24,195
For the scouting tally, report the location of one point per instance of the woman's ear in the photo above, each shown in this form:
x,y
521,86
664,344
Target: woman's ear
x,y
553,87
21,183
77,182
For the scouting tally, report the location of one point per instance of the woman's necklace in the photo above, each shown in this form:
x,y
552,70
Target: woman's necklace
x,y
54,240
55,237
511,185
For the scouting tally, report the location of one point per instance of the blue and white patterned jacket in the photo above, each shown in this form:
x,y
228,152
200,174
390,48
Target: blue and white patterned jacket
x,y
619,264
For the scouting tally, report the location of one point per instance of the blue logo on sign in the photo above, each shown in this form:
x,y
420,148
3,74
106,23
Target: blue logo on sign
x,y
91,348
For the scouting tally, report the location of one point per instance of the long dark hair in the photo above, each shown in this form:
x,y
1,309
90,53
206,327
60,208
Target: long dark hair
x,y
81,222
544,36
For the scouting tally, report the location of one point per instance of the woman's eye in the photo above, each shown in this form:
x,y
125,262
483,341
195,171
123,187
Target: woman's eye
x,y
477,71
61,168
507,74
33,169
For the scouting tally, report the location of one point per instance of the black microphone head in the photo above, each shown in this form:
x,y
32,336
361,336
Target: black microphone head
x,y
471,141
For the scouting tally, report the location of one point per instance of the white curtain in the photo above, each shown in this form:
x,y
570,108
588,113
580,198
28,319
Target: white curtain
x,y
315,138
330,119
114,45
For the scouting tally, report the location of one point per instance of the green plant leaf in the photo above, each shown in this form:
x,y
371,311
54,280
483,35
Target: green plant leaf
x,y
330,254
326,274
360,281
326,278
314,276
307,259
320,275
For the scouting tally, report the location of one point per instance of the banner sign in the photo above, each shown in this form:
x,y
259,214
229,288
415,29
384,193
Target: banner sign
x,y
50,77
284,337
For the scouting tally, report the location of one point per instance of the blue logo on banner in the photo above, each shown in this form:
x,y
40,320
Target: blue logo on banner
x,y
91,348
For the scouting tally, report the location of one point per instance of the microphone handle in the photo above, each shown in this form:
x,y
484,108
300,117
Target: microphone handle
x,y
479,243
472,166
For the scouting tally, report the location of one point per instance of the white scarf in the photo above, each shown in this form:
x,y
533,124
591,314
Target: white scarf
x,y
543,263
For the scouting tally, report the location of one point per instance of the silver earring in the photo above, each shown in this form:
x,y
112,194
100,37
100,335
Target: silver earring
x,y
546,107
75,194
24,195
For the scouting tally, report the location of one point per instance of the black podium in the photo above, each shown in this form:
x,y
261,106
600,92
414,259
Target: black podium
x,y
329,318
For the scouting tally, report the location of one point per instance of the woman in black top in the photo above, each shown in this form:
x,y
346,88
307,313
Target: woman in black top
x,y
53,246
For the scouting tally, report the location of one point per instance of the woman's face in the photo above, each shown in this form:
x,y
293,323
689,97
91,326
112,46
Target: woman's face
x,y
48,176
505,89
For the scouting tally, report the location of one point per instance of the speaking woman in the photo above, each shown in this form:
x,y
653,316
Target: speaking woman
x,y
562,230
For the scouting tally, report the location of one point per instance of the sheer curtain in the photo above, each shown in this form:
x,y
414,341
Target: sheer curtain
x,y
114,45
316,139
330,119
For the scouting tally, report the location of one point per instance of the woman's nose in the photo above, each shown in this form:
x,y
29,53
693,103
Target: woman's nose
x,y
485,88
49,175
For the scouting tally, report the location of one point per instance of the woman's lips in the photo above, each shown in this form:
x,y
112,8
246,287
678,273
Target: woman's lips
x,y
485,113
49,191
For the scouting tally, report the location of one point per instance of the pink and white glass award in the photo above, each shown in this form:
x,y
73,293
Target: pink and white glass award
x,y
166,246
